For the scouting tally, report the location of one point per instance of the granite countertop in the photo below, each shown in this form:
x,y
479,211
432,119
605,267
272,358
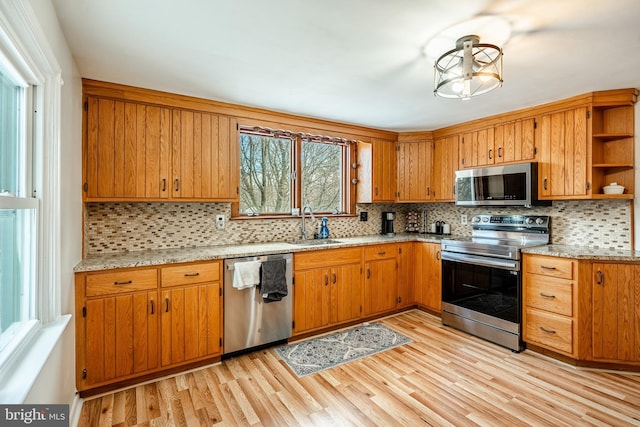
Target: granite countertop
x,y
207,253
582,252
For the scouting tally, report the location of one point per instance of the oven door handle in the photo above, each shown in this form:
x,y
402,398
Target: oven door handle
x,y
481,260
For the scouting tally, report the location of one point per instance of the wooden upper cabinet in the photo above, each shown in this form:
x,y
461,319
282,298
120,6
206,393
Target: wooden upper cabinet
x,y
205,156
514,141
376,171
477,148
507,142
414,171
563,169
445,164
126,150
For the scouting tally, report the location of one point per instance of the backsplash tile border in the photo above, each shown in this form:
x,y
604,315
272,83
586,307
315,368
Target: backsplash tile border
x,y
122,227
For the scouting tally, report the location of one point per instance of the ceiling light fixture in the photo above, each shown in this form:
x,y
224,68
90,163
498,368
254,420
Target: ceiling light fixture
x,y
471,69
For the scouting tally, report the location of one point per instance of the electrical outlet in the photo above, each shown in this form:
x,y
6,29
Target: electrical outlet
x,y
364,216
220,222
463,219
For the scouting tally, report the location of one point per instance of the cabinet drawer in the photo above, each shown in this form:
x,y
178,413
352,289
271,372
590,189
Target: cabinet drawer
x,y
549,294
549,330
187,274
121,281
380,252
326,258
549,266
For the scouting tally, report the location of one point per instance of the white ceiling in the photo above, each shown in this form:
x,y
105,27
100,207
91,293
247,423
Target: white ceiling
x,y
353,61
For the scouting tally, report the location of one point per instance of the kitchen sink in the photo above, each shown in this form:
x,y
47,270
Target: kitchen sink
x,y
315,242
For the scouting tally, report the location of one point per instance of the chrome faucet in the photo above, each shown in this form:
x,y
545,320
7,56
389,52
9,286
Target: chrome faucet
x,y
303,228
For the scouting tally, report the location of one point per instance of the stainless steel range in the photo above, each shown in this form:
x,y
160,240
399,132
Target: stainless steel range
x,y
481,276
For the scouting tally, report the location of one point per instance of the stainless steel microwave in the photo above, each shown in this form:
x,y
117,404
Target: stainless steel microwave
x,y
508,185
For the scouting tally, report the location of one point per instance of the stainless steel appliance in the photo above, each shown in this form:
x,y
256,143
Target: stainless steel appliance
x,y
481,280
248,320
508,185
387,223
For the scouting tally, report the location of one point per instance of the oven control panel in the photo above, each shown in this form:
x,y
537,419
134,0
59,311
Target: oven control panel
x,y
482,222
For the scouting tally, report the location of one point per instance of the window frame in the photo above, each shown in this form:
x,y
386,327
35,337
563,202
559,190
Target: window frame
x,y
25,51
348,173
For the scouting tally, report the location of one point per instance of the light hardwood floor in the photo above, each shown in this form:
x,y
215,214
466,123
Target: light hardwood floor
x,y
444,377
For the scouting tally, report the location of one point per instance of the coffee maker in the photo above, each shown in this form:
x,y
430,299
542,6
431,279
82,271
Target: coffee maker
x,y
387,223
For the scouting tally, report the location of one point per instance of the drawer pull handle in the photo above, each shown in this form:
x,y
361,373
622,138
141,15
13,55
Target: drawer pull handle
x,y
335,278
368,273
547,268
166,305
438,256
191,274
164,184
600,280
326,279
382,253
153,307
549,331
543,295
128,282
176,185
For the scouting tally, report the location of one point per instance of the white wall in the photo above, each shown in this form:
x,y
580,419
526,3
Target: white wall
x,y
56,382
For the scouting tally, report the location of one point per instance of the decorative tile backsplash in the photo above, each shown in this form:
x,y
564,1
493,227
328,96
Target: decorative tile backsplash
x,y
120,227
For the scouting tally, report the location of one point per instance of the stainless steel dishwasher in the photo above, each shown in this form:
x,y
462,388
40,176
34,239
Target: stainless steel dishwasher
x,y
248,320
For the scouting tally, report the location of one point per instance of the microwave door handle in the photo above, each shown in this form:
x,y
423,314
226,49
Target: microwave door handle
x,y
479,260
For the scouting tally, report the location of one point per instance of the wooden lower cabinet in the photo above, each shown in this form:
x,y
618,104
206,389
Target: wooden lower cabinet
x,y
191,327
129,323
327,288
381,278
406,279
428,275
120,338
585,310
616,312
550,303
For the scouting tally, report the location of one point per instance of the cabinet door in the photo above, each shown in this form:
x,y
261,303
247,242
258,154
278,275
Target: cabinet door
x,y
126,151
380,286
191,323
445,164
205,156
616,312
414,171
563,142
406,288
384,171
428,275
312,299
346,302
477,148
121,337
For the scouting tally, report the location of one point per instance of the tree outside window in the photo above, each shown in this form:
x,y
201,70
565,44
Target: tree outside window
x,y
279,173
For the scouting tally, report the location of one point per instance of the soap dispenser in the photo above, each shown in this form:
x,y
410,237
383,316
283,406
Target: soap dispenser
x,y
324,230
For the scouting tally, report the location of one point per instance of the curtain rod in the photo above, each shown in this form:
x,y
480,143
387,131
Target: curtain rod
x,y
279,133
